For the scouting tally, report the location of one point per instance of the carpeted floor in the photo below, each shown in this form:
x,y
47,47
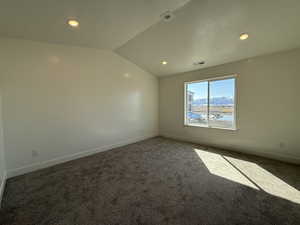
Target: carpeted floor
x,y
157,181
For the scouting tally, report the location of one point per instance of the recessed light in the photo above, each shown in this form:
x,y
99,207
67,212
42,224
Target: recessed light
x,y
244,36
73,23
164,62
127,75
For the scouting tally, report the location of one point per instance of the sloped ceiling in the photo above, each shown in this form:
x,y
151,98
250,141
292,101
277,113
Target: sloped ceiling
x,y
209,30
201,30
105,24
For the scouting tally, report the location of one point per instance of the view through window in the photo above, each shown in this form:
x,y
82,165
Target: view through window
x,y
211,103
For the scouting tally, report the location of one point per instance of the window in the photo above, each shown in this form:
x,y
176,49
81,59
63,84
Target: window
x,y
211,103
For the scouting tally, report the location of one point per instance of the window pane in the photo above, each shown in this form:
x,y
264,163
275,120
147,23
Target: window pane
x,y
221,103
196,100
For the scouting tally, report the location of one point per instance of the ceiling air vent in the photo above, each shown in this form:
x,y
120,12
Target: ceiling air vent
x,y
167,16
199,63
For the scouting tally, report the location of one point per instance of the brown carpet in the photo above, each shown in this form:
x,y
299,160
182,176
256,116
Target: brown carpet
x,y
157,181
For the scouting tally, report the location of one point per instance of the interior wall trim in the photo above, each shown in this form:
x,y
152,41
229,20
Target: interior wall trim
x,y
270,155
58,160
2,186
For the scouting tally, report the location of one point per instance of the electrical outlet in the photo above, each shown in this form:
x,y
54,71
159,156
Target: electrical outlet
x,y
34,153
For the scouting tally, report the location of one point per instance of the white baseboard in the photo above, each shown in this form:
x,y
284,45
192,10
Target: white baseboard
x,y
270,155
2,186
58,160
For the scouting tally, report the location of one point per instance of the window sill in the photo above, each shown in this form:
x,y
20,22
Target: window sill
x,y
203,126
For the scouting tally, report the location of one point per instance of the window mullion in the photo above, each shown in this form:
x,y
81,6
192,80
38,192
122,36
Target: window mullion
x,y
208,103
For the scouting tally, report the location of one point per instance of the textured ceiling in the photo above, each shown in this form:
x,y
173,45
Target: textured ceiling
x,y
105,24
209,30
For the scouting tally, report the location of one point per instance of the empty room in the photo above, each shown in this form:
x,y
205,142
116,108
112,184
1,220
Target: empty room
x,y
149,112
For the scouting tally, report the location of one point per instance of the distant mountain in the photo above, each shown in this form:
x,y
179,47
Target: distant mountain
x,y
213,101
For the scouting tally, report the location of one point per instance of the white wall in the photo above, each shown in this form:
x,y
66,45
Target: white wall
x,y
60,101
268,110
2,156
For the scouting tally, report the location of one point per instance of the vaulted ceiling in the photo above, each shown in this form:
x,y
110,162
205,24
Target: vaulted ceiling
x,y
209,30
105,24
201,30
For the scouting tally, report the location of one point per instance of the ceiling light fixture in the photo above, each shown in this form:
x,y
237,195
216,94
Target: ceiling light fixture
x,y
244,36
73,23
164,62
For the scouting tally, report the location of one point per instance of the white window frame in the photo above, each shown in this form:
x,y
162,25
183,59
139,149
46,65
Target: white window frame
x,y
234,76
